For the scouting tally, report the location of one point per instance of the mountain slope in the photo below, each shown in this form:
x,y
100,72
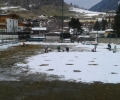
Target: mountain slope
x,y
105,5
38,7
31,3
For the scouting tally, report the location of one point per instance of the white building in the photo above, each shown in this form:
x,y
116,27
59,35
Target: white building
x,y
12,25
8,23
95,34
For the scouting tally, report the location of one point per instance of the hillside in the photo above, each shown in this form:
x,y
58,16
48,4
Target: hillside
x,y
37,7
47,10
105,5
31,3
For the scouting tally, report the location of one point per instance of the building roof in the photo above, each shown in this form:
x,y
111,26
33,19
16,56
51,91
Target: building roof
x,y
109,30
95,32
59,31
83,36
39,28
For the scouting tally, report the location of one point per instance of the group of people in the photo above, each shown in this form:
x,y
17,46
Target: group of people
x,y
93,50
58,49
109,48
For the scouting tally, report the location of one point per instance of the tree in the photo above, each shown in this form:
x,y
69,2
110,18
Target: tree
x,y
76,25
71,4
116,25
97,26
103,24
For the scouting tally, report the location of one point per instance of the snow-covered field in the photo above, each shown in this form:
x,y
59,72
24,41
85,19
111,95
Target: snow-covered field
x,y
79,64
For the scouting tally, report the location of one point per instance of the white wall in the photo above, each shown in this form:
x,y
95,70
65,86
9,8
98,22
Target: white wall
x,y
8,37
52,38
12,25
95,34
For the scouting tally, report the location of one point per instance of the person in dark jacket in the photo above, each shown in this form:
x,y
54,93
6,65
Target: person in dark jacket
x,y
109,47
67,49
58,48
46,49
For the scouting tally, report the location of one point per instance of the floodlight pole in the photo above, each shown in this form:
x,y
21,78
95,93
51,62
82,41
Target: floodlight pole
x,y
97,32
97,35
62,21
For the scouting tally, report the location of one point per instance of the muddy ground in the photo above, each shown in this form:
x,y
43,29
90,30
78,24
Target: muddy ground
x,y
16,84
17,54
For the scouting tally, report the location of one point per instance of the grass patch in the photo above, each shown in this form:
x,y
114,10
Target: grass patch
x,y
49,90
58,90
16,54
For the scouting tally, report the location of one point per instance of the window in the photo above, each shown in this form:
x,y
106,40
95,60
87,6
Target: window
x,y
3,20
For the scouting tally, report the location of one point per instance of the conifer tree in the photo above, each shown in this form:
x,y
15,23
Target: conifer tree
x,y
97,26
103,24
75,24
116,25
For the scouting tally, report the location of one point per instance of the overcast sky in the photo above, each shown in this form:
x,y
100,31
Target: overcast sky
x,y
83,3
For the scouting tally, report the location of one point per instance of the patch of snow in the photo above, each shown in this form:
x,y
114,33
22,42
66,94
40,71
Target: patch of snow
x,y
80,64
86,12
12,7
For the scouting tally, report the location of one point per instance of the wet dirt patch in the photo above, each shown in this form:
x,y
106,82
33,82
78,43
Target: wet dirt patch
x,y
47,60
69,64
92,61
44,56
44,64
50,69
93,64
25,72
114,73
76,56
77,71
71,60
94,58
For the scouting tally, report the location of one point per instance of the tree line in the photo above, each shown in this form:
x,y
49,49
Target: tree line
x,y
100,25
